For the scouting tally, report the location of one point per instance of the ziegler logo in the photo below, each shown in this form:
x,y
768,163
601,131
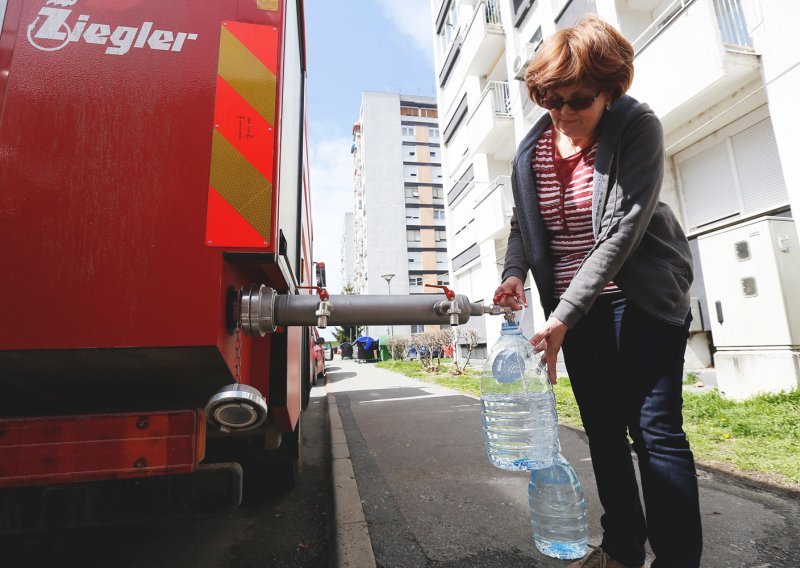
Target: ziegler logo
x,y
55,32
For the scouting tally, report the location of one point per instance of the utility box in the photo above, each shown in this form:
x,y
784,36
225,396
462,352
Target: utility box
x,y
752,278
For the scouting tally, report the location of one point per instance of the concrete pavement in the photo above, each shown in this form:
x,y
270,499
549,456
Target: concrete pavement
x,y
437,502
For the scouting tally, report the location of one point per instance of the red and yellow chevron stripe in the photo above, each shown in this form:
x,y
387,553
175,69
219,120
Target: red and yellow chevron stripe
x,y
240,186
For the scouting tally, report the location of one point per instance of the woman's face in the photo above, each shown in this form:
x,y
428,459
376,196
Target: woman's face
x,y
577,123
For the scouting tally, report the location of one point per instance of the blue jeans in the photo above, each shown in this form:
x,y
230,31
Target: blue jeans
x,y
626,370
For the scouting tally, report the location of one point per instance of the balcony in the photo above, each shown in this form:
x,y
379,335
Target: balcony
x,y
491,125
484,39
694,55
493,206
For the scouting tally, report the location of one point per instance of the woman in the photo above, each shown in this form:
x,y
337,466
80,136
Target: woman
x,y
613,269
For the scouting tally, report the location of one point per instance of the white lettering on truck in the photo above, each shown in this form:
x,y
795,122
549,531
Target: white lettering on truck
x,y
55,32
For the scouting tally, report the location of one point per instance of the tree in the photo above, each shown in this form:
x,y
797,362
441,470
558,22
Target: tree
x,y
348,333
398,344
470,336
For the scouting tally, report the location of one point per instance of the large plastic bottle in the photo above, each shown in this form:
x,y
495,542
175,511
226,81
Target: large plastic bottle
x,y
520,425
558,511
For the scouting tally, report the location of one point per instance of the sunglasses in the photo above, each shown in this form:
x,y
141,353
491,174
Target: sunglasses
x,y
575,103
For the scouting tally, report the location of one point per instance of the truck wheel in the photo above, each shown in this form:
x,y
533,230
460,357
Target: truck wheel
x,y
276,473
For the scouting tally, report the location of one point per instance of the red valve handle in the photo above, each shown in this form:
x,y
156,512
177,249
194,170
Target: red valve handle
x,y
449,294
323,293
499,297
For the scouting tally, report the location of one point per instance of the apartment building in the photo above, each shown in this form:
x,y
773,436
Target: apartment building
x,y
720,74
399,232
347,261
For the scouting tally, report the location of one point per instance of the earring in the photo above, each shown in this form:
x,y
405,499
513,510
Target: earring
x,y
608,106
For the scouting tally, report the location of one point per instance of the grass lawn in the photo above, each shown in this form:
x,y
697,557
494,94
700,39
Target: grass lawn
x,y
759,437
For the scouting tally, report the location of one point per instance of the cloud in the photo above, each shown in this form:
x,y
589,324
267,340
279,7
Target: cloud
x,y
331,180
413,18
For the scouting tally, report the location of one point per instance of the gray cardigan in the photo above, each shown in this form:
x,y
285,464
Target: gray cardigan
x,y
639,243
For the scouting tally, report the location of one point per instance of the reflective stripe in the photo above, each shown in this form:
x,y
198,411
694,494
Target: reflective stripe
x,y
240,184
240,202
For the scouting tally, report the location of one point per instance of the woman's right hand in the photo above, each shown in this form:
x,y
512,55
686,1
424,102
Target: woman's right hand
x,y
511,293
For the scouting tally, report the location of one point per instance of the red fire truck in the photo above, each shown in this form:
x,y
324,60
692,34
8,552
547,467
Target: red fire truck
x,y
152,164
156,330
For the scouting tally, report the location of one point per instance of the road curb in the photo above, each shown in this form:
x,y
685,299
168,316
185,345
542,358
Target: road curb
x,y
352,544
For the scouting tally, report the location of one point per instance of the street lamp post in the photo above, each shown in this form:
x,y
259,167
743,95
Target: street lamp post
x,y
388,278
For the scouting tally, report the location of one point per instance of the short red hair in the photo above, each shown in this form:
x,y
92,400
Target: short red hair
x,y
592,52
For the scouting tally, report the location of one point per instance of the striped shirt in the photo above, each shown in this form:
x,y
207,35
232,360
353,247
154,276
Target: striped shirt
x,y
564,187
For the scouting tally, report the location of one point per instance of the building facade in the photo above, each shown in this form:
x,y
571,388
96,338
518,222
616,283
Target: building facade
x,y
347,251
720,74
399,230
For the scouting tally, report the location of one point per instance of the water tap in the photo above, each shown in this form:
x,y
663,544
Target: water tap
x,y
496,309
452,306
324,307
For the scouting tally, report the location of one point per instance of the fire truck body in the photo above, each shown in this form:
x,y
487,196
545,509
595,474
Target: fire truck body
x,y
152,164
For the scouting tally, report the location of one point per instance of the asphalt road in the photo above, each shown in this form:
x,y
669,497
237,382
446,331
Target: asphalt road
x,y
288,531
428,494
430,497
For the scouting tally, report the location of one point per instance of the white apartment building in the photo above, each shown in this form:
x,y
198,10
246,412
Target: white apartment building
x,y
722,76
347,251
399,232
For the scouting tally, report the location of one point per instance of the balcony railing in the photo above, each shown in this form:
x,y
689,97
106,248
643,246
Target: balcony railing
x,y
492,13
484,38
493,206
689,44
732,24
500,96
730,19
491,124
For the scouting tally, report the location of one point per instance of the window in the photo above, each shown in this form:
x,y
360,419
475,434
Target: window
x,y
437,193
441,259
409,111
571,11
433,133
450,28
412,213
413,236
433,153
417,328
438,213
734,172
415,281
412,192
443,280
438,173
441,236
410,172
521,8
430,113
408,131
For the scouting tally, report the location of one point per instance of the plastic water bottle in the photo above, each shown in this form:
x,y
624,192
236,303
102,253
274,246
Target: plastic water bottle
x,y
520,425
558,511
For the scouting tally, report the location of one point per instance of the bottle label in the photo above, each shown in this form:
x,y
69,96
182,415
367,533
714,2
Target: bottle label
x,y
508,367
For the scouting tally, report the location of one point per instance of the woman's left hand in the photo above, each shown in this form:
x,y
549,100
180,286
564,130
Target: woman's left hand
x,y
549,340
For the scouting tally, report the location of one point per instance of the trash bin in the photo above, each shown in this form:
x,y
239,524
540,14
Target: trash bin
x,y
346,349
366,349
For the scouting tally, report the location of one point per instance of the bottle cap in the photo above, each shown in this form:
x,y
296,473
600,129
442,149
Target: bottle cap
x,y
509,326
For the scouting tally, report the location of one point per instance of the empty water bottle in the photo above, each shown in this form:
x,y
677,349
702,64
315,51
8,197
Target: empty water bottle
x,y
558,511
520,425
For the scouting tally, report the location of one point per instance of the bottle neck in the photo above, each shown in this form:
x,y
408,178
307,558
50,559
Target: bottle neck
x,y
514,331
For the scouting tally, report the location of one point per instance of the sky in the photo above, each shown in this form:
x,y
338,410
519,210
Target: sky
x,y
355,46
